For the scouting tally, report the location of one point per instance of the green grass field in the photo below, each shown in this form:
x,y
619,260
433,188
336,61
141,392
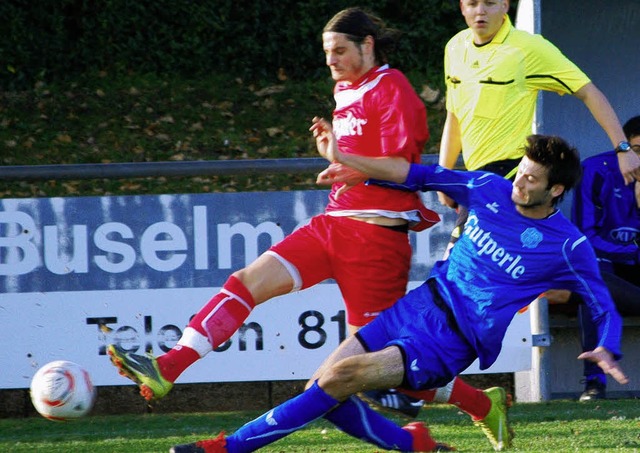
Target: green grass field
x,y
557,426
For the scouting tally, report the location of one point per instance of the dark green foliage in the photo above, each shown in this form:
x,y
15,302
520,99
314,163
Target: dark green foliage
x,y
253,39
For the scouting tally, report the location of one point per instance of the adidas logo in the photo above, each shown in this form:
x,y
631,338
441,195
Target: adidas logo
x,y
493,207
271,421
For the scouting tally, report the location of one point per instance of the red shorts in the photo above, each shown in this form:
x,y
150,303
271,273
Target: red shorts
x,y
369,263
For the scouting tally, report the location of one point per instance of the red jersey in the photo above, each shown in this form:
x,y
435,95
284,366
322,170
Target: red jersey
x,y
380,116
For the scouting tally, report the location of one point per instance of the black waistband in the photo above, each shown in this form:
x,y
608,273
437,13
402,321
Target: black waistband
x,y
501,167
442,305
404,228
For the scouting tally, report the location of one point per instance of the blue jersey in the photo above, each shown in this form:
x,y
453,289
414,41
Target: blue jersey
x,y
504,260
606,211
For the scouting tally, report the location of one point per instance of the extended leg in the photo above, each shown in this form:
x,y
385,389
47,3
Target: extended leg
x,y
214,324
346,371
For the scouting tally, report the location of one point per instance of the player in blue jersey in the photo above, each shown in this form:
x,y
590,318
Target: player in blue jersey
x,y
514,245
607,211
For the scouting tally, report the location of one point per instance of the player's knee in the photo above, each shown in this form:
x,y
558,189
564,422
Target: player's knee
x,y
265,278
342,379
344,371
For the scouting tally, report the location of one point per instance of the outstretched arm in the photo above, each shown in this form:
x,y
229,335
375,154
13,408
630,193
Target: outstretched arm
x,y
450,144
604,114
388,168
450,149
605,360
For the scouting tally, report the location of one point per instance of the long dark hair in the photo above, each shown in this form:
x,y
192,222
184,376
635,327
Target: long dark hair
x,y
357,24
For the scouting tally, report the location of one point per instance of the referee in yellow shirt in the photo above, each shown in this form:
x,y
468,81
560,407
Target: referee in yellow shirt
x,y
493,73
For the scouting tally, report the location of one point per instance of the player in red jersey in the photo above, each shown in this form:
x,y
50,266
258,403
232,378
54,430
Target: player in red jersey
x,y
360,241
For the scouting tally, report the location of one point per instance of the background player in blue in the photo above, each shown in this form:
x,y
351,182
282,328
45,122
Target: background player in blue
x,y
607,211
514,245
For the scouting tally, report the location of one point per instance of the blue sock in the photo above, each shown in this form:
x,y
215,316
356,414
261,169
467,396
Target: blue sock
x,y
282,420
357,419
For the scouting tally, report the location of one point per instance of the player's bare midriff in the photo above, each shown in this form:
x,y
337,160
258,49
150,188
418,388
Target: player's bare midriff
x,y
380,220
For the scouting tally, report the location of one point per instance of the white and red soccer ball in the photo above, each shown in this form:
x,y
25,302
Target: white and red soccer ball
x,y
62,390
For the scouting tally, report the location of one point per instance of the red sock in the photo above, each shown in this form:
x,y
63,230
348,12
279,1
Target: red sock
x,y
176,360
225,313
217,321
471,400
426,395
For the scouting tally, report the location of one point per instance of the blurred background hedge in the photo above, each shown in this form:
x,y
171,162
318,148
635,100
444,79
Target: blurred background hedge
x,y
48,40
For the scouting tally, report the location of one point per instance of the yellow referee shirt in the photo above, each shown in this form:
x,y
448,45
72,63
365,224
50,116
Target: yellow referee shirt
x,y
492,89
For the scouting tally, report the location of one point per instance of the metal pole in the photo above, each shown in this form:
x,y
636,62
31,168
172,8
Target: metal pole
x,y
170,169
155,169
535,385
540,354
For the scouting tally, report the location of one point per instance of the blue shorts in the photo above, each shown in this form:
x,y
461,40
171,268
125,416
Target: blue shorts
x,y
433,348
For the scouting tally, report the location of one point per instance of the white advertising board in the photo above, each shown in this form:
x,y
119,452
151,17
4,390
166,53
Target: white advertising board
x,y
79,273
284,339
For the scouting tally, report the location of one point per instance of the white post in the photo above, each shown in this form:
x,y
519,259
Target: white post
x,y
534,385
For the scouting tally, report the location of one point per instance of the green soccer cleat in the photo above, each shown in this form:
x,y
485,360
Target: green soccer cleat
x,y
141,369
496,424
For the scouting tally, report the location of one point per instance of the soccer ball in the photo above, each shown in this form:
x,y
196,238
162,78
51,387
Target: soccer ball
x,y
62,390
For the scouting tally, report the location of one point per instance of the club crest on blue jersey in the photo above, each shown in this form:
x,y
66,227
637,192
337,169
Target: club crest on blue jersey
x,y
531,238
